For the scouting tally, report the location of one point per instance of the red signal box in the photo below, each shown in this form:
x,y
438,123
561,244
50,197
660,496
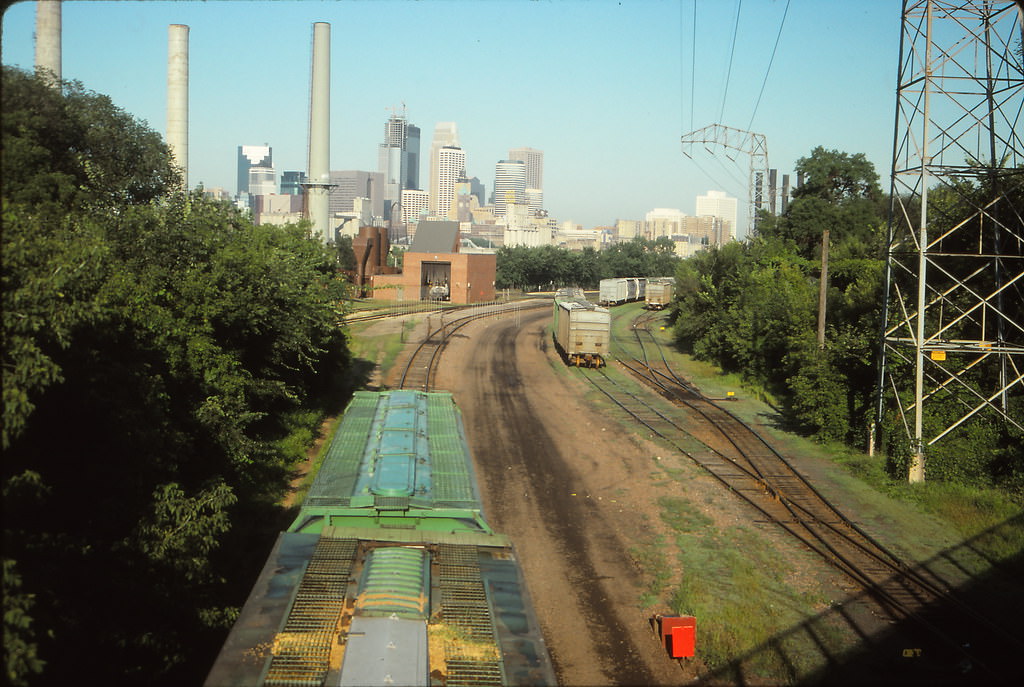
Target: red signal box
x,y
679,635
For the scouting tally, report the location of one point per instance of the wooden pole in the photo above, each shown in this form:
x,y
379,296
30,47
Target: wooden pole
x,y
823,289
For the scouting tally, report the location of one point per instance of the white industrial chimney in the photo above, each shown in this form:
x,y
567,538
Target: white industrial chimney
x,y
319,176
177,96
48,26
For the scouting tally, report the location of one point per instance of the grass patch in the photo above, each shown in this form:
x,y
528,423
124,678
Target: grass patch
x,y
379,349
650,556
307,481
736,584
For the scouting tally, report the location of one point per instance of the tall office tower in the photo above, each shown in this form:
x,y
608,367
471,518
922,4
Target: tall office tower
x,y
415,204
446,134
398,159
719,204
534,199
389,164
348,185
252,156
412,156
509,185
291,183
451,166
476,188
534,161
262,181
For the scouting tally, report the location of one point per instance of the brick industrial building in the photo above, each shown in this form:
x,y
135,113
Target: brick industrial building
x,y
433,268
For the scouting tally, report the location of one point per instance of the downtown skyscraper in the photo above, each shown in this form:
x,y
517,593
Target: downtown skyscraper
x,y
533,160
399,160
249,157
446,135
451,166
509,185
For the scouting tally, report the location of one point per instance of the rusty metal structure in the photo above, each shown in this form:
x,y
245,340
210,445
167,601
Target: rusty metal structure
x,y
371,246
954,329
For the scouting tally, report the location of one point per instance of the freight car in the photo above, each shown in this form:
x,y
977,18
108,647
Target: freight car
x,y
659,292
582,331
621,290
390,573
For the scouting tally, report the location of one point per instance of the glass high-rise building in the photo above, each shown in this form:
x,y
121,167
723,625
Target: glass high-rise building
x,y
534,161
252,156
291,183
398,160
347,185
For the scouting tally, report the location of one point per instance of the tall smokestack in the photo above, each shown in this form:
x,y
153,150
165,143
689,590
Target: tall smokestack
x,y
48,37
177,96
319,176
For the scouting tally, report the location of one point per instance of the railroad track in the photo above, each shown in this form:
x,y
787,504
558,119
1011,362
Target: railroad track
x,y
750,467
419,369
410,308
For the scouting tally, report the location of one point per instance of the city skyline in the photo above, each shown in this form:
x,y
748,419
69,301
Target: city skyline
x,y
606,98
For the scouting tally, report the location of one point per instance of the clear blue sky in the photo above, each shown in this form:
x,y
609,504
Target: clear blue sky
x,y
603,87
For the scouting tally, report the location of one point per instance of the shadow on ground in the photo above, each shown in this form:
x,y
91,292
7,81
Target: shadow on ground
x,y
974,637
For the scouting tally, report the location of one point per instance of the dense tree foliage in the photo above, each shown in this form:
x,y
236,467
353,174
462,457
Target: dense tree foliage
x,y
752,309
158,353
551,267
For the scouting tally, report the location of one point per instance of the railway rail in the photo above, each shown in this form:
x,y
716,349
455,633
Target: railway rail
x,y
749,466
419,369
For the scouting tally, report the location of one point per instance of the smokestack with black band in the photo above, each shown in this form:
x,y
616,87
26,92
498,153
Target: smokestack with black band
x,y
319,176
48,24
177,96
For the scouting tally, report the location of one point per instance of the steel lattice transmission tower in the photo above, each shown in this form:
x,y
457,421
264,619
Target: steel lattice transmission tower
x,y
953,343
746,142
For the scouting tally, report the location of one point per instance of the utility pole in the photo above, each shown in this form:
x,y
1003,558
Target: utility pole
x,y
823,288
949,336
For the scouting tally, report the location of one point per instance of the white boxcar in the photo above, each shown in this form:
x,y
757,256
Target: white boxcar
x,y
582,332
613,291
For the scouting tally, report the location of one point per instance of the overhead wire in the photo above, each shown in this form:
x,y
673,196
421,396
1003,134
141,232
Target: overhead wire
x,y
693,60
769,69
732,53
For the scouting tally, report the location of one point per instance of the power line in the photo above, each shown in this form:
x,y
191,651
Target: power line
x,y
693,60
768,71
732,52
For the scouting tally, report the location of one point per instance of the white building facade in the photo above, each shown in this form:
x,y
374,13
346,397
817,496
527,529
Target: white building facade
x,y
451,166
509,185
446,135
719,204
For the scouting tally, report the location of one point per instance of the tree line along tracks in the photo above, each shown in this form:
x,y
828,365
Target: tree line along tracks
x,y
741,459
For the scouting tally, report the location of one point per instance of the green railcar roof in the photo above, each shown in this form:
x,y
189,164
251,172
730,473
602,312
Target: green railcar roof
x,y
394,454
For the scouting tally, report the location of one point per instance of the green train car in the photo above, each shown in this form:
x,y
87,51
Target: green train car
x,y
390,574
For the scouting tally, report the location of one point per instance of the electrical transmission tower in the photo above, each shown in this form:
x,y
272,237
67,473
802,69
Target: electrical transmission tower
x,y
953,343
746,142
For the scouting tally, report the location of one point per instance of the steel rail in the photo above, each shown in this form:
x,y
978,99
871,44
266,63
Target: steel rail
x,y
427,354
898,588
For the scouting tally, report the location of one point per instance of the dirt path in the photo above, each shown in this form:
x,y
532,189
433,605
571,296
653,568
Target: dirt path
x,y
579,496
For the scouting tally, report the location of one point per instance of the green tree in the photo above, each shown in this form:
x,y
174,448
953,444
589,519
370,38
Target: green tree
x,y
158,350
